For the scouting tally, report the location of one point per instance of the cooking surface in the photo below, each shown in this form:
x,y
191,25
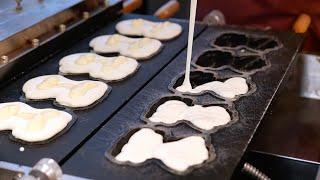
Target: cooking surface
x,y
229,143
88,121
81,150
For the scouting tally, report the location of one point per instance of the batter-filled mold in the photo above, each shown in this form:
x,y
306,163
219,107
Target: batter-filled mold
x,y
156,30
66,93
137,48
229,88
31,126
225,59
253,42
204,117
145,145
108,69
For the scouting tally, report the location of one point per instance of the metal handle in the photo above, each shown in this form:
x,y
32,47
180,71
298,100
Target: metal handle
x,y
131,5
302,23
168,10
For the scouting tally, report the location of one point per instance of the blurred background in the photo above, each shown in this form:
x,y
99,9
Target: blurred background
x,y
275,14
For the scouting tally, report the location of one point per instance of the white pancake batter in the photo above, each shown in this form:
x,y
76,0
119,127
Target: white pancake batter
x,y
30,124
137,48
65,91
140,146
106,68
156,30
228,89
186,85
204,118
177,155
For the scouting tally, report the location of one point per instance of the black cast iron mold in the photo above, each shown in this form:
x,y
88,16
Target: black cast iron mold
x,y
40,143
230,108
199,77
258,43
117,147
237,61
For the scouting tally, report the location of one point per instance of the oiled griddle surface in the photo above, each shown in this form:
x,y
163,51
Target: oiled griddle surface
x,y
88,121
229,143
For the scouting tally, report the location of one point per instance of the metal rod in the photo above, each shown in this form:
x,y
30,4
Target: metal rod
x,y
254,172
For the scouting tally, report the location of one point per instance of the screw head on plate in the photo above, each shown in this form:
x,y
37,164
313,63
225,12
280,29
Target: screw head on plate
x,y
85,15
62,27
35,42
19,175
4,59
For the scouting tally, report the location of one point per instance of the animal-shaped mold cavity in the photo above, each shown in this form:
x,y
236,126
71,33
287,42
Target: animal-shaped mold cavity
x,y
214,59
262,43
231,40
207,118
30,126
217,60
178,155
234,40
227,87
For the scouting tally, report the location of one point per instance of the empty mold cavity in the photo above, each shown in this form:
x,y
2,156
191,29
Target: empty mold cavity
x,y
216,60
233,40
118,146
222,116
248,63
198,78
262,43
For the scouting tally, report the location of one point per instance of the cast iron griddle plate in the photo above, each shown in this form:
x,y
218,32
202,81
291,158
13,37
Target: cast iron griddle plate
x,y
88,120
229,143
